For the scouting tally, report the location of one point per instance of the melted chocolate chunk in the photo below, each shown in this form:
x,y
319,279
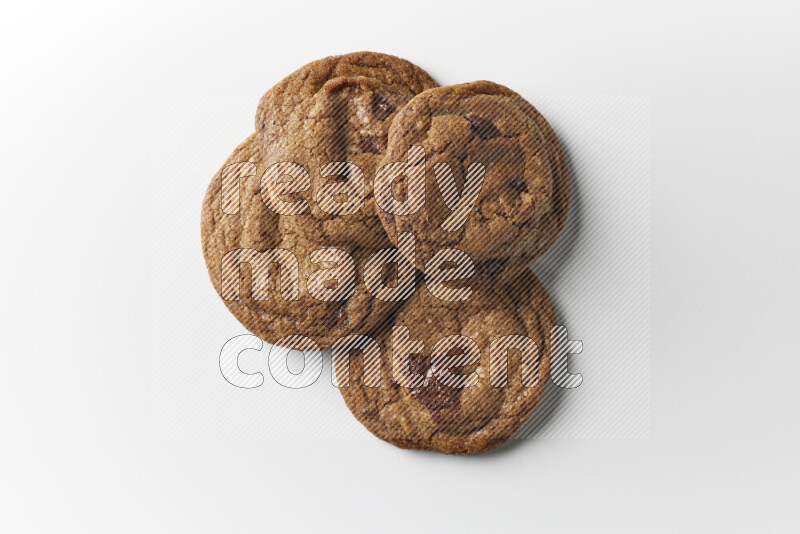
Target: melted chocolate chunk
x,y
370,145
488,270
485,128
381,107
418,363
342,176
435,397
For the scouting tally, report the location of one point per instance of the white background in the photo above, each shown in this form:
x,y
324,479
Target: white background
x,y
78,448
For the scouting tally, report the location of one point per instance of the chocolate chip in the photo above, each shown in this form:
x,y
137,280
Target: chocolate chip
x,y
381,107
519,185
489,269
483,127
418,363
370,145
437,398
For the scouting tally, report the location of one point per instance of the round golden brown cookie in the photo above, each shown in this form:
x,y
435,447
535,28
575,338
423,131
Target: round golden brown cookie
x,y
485,146
476,405
337,109
239,237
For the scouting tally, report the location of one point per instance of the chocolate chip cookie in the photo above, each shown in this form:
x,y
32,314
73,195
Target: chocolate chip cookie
x,y
455,377
244,243
332,117
496,183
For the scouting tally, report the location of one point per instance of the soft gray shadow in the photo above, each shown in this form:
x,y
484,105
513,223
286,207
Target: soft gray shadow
x,y
550,268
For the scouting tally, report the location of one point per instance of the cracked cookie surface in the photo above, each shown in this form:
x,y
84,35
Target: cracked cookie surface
x,y
431,414
337,109
255,228
524,199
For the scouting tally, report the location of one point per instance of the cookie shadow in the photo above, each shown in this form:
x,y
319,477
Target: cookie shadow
x,y
552,269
